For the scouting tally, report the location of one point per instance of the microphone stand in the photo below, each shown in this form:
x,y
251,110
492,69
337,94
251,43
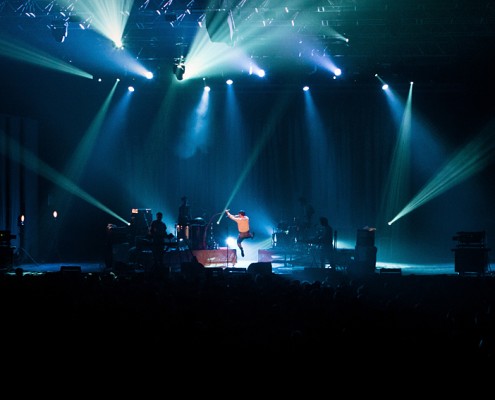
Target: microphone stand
x,y
208,226
227,243
227,248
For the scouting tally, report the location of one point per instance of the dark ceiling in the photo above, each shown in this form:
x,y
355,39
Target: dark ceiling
x,y
414,39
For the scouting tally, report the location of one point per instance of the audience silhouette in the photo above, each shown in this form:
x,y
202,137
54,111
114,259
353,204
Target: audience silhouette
x,y
343,317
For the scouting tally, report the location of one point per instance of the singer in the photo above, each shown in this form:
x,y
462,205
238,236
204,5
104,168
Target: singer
x,y
242,221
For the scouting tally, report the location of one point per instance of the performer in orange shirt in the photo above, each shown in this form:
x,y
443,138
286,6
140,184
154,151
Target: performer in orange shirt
x,y
242,221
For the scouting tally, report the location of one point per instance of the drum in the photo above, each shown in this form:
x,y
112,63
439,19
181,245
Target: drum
x,y
282,239
182,232
197,237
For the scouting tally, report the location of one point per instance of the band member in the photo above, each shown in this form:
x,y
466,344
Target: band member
x,y
158,234
325,240
242,221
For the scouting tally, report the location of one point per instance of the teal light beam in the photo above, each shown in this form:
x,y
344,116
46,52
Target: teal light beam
x,y
22,52
267,132
399,170
85,147
32,162
468,161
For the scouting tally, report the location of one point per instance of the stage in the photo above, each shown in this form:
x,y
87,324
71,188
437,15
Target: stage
x,y
278,267
299,262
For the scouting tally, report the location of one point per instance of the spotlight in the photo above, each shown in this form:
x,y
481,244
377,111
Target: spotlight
x,y
179,69
59,28
207,88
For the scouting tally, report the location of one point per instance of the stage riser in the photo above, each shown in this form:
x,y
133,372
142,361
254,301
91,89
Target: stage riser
x,y
216,257
123,254
309,258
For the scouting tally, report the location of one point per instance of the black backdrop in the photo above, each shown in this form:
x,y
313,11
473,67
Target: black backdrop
x,y
258,148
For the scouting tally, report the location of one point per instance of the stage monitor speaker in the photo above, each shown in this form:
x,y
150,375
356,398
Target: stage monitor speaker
x,y
262,268
71,273
70,269
390,271
191,268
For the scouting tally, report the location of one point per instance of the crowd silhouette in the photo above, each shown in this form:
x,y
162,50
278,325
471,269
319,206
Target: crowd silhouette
x,y
392,318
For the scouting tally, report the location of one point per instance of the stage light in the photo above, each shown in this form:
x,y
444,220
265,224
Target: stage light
x,y
207,88
179,68
59,29
86,23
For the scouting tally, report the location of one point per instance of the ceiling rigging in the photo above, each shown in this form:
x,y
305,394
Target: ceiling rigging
x,y
415,37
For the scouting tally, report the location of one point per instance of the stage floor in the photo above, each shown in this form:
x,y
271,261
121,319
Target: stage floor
x,y
290,262
278,267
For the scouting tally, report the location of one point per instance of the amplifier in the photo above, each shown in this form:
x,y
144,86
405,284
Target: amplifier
x,y
6,237
6,257
473,260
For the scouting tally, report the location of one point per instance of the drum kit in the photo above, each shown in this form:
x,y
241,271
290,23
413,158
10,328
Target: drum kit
x,y
199,234
289,236
194,234
282,237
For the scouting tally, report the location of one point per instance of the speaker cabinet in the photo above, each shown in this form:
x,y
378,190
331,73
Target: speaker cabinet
x,y
365,238
263,268
71,274
364,260
474,260
6,257
70,269
192,268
